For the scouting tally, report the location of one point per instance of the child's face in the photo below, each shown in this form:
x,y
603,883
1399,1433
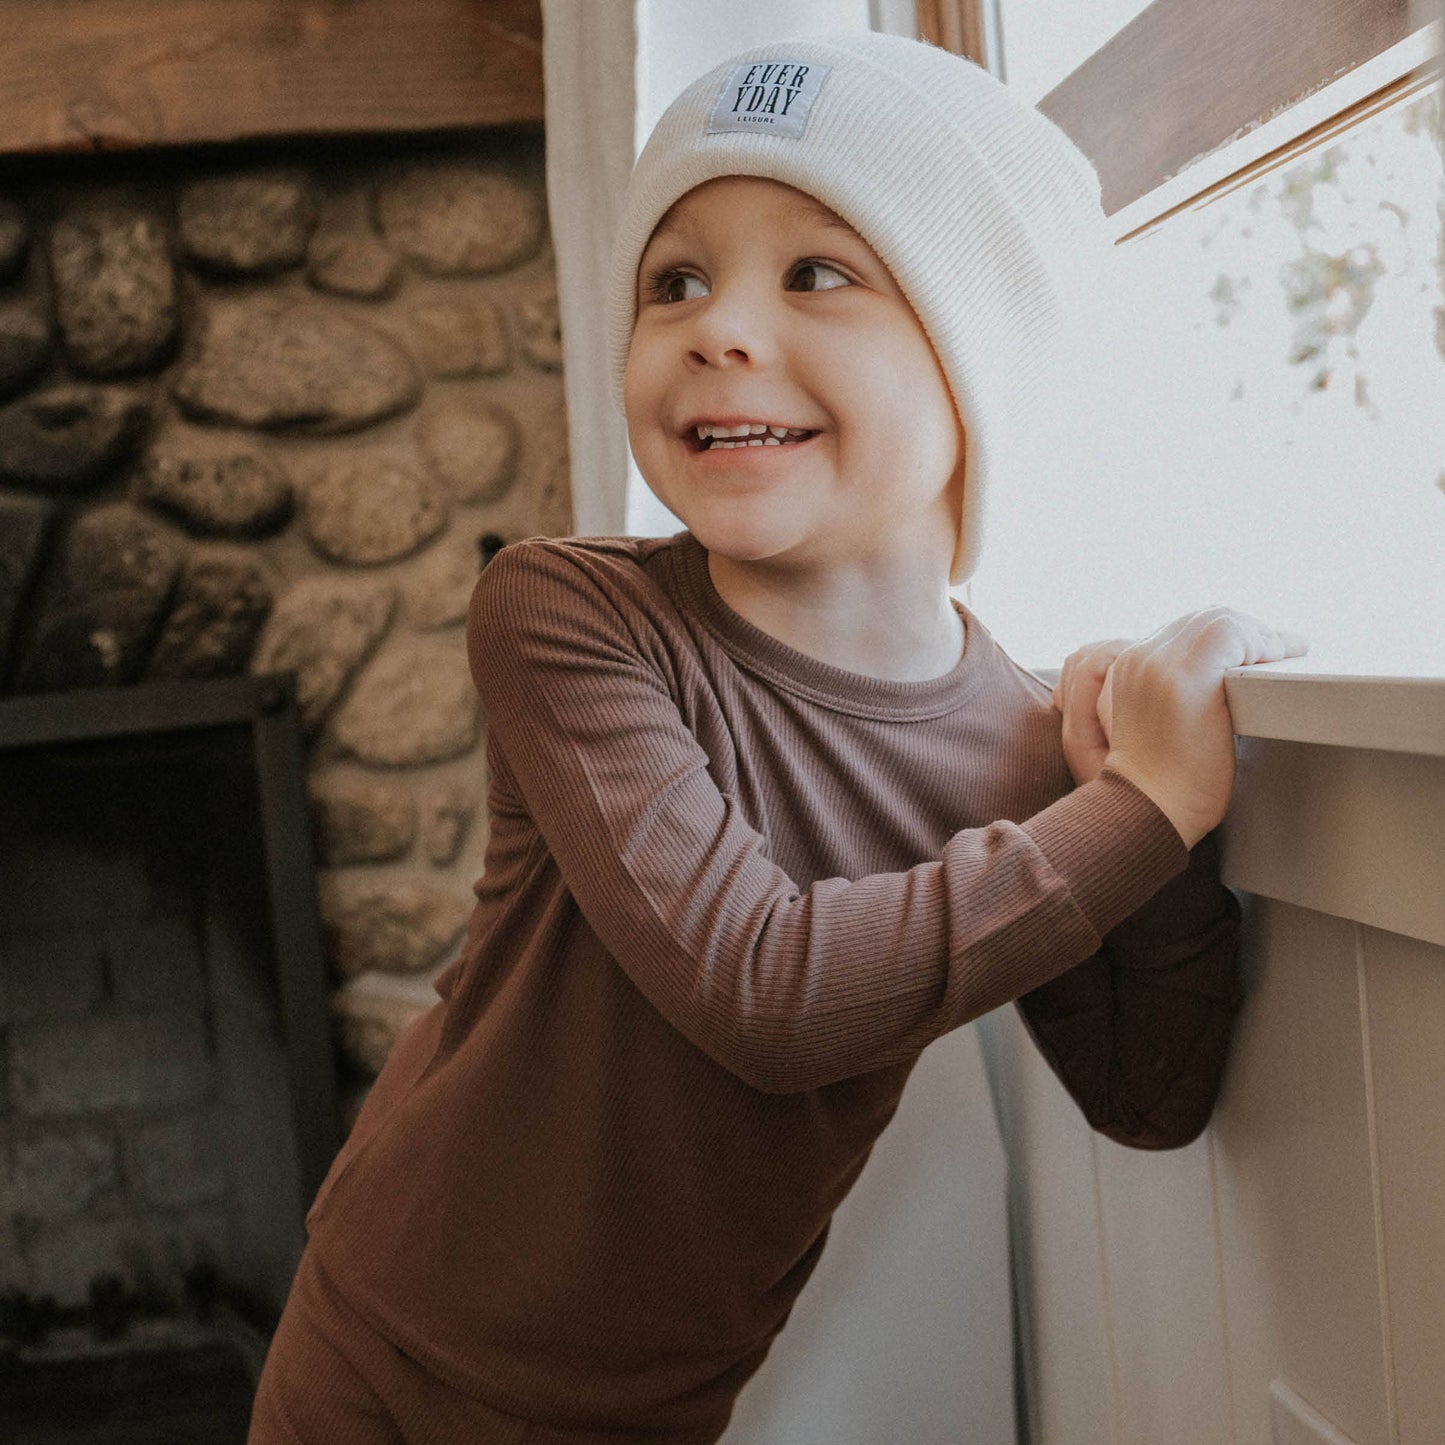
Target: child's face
x,y
754,305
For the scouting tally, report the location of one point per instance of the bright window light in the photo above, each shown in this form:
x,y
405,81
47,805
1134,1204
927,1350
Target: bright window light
x,y
1277,444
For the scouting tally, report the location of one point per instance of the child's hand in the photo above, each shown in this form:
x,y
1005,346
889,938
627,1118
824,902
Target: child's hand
x,y
1076,695
1163,710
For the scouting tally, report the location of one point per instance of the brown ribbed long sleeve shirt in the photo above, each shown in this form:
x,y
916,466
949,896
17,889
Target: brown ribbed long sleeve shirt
x,y
730,893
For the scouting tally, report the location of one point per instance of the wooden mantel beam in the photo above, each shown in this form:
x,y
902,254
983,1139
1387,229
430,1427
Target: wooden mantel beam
x,y
86,75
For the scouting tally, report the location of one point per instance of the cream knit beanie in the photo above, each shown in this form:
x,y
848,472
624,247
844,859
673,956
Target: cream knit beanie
x,y
984,211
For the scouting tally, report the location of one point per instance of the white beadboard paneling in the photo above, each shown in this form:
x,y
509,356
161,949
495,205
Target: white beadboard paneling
x,y
1405,989
903,1332
1350,831
1065,1312
1164,1292
1296,1205
1294,1421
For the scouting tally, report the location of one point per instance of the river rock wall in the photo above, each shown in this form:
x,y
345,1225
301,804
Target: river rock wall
x,y
274,411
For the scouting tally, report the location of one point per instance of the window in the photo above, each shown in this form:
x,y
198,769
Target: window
x,y
1270,434
1281,452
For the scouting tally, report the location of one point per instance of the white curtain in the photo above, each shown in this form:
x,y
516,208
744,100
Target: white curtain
x,y
589,54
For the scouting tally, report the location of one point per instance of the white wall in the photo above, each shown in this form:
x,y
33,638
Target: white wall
x,y
904,1331
1045,40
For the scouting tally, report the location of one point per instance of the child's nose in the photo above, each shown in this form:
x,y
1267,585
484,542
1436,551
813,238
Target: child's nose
x,y
732,329
720,355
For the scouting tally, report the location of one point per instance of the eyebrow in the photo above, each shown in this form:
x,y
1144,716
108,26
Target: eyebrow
x,y
807,209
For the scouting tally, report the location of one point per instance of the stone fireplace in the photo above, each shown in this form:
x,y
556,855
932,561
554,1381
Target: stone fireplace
x,y
266,408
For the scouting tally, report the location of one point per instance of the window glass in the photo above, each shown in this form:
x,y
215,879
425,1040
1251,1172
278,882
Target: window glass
x,y
1274,435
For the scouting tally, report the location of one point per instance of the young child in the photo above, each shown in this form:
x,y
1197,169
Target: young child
x,y
769,811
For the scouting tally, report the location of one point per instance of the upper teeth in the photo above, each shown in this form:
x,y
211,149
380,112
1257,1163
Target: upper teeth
x,y
748,428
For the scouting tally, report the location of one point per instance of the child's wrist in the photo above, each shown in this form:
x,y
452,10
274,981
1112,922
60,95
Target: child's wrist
x,y
1179,813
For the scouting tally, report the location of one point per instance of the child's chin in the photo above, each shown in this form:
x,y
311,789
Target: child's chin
x,y
739,542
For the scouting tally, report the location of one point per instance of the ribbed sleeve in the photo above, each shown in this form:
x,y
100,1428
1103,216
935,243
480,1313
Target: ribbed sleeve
x,y
1139,1033
787,988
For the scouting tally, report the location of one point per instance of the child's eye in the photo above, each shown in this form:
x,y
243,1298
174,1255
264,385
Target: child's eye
x,y
670,285
662,286
803,267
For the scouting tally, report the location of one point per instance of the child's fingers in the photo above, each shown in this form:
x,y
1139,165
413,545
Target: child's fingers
x,y
1216,638
1171,729
1290,644
1237,639
1082,684
1086,667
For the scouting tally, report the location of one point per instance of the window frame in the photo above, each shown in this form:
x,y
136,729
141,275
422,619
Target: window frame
x,y
1203,139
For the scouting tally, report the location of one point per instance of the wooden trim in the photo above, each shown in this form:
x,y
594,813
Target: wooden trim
x,y
956,25
1338,793
1183,79
1197,188
1384,714
82,75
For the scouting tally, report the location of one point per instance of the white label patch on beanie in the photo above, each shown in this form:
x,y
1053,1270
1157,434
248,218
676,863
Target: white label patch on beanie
x,y
773,98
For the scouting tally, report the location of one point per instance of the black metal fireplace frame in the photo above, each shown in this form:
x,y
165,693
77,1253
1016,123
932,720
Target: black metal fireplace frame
x,y
267,704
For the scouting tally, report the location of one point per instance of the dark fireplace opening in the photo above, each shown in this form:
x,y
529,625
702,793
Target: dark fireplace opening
x,y
167,1069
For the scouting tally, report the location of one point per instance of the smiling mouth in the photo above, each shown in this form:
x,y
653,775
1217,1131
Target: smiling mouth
x,y
737,444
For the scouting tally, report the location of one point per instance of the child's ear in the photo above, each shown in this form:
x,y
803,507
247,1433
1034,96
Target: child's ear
x,y
955,482
955,497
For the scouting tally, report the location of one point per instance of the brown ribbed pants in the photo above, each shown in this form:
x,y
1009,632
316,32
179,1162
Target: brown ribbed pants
x,y
330,1378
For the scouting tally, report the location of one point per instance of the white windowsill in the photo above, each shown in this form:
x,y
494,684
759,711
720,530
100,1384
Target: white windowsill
x,y
1293,701
1351,828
